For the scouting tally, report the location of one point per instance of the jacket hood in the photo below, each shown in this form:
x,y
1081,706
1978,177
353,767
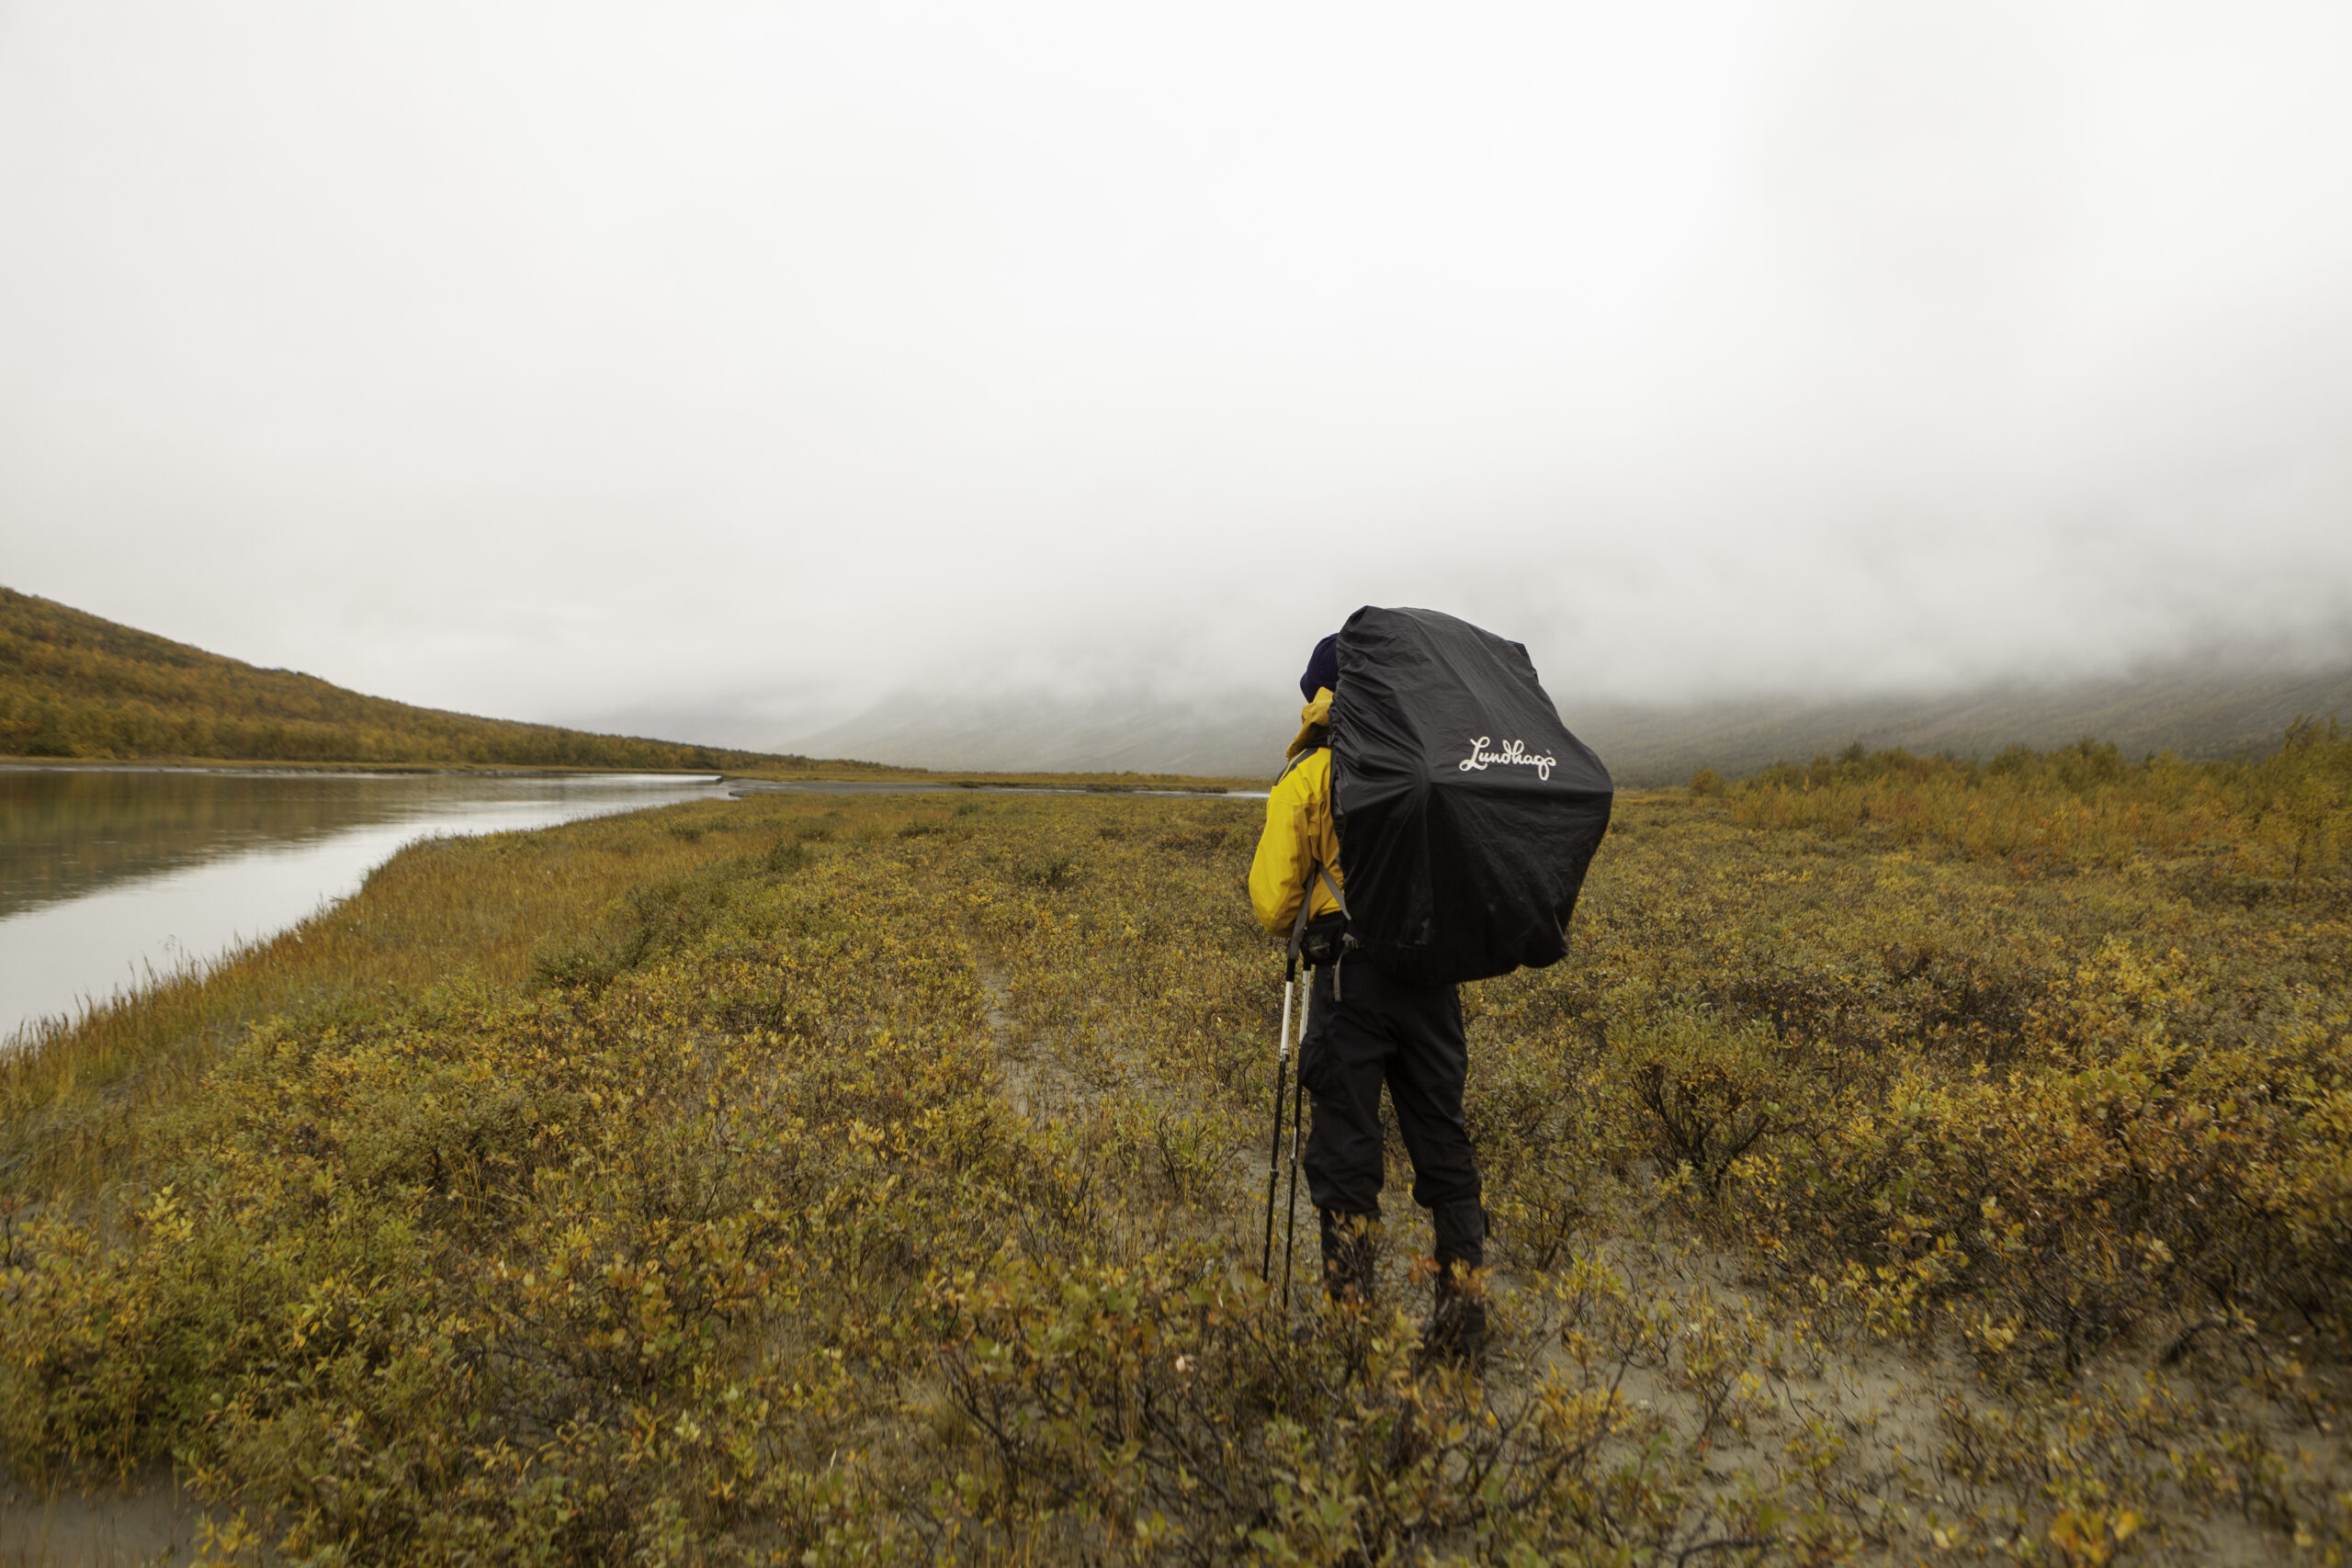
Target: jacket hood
x,y
1313,724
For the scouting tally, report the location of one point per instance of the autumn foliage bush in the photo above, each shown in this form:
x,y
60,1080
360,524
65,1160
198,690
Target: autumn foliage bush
x,y
880,1179
2279,819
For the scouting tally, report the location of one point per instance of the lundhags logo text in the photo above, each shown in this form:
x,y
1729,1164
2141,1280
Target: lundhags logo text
x,y
1514,752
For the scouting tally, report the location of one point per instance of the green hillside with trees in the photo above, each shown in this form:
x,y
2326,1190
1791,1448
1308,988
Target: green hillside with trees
x,y
74,685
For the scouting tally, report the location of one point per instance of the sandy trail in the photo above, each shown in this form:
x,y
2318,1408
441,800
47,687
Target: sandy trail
x,y
152,1521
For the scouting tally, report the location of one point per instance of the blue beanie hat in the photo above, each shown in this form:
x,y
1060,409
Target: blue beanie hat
x,y
1322,669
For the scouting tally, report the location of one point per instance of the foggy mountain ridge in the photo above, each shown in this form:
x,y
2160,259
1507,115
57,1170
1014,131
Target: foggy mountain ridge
x,y
955,342
1228,733
2194,711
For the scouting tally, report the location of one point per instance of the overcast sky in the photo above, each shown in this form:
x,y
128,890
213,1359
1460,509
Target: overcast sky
x,y
732,366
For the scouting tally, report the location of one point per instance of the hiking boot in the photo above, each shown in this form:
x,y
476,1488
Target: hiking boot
x,y
1457,1332
1349,1273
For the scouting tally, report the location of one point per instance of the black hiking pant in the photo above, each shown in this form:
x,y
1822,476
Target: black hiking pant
x,y
1382,1030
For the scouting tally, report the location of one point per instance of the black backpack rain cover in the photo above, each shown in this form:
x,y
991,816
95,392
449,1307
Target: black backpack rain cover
x,y
1468,813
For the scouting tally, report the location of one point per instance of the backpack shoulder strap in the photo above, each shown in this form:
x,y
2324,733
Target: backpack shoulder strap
x,y
1298,925
1307,902
1337,897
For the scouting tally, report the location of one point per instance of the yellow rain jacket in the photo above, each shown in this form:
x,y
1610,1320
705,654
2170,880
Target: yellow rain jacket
x,y
1299,831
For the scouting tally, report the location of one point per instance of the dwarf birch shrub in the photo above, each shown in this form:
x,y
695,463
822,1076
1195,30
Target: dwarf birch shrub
x,y
803,1188
2084,806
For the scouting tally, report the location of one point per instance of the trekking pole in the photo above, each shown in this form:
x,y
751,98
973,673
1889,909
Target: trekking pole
x,y
1281,1064
1274,1152
1297,1115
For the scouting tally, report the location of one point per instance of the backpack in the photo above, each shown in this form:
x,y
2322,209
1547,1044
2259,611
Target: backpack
x,y
1466,812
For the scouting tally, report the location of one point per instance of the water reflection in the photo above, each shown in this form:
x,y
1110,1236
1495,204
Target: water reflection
x,y
109,877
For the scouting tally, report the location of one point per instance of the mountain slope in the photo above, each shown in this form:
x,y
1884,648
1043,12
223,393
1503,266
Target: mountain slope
x,y
2192,711
1237,735
74,685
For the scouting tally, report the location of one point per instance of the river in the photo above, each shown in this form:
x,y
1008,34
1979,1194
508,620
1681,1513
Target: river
x,y
112,877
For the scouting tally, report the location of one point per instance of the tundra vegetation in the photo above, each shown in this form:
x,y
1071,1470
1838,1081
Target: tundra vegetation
x,y
1912,1161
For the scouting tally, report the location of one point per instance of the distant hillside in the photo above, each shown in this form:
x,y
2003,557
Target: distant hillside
x,y
73,685
1235,735
2191,711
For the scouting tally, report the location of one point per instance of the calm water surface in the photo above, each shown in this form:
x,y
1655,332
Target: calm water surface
x,y
113,877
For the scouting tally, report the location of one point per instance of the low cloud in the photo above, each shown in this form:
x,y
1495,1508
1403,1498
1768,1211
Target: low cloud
x,y
727,373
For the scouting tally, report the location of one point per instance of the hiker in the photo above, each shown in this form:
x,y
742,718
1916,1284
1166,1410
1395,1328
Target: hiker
x,y
1366,1028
